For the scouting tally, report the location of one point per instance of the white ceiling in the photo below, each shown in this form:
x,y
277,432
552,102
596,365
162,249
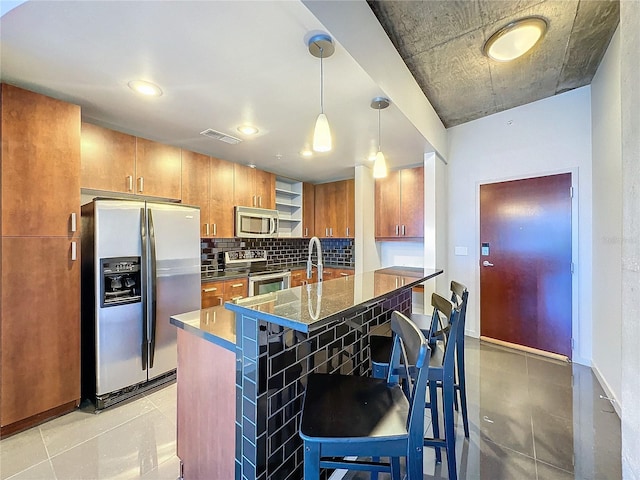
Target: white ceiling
x,y
220,64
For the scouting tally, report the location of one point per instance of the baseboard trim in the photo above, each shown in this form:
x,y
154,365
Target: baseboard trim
x,y
613,399
21,425
535,351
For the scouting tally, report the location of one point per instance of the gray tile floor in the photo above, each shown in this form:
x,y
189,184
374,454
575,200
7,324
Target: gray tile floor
x,y
530,418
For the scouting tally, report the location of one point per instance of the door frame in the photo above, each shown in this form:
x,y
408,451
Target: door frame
x,y
576,327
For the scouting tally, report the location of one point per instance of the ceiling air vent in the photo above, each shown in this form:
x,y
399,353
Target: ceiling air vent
x,y
223,137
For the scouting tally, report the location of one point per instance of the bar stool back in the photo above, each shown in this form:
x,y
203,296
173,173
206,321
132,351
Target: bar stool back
x,y
347,416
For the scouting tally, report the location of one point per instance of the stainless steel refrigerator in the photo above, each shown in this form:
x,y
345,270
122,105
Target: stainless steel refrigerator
x,y
140,265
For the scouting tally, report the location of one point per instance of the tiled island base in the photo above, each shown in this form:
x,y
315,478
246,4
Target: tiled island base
x,y
270,387
260,351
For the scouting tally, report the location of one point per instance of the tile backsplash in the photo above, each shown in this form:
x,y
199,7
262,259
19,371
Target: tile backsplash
x,y
281,252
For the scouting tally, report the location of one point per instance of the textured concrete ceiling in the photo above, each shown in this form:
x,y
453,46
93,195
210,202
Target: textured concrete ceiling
x,y
441,43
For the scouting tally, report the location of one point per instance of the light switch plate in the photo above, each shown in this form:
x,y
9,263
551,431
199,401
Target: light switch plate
x,y
462,251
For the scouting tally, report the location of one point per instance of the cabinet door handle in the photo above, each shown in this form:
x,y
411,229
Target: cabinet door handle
x,y
74,251
254,201
403,233
237,298
140,184
207,290
306,231
260,200
347,231
220,301
331,231
130,183
397,230
74,224
326,232
344,274
236,285
206,228
215,229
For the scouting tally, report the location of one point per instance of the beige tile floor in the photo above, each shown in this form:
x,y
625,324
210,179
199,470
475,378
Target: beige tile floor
x,y
530,418
136,440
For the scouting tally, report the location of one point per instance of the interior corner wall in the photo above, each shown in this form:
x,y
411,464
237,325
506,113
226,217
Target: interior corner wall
x,y
630,100
546,137
367,257
606,134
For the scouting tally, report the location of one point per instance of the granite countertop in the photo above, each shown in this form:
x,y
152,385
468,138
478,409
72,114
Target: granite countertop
x,y
224,275
216,325
311,306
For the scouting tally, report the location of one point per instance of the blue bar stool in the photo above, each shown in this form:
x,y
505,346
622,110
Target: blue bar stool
x,y
442,369
347,416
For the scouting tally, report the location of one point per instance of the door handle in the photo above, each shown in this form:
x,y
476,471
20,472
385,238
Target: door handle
x,y
487,263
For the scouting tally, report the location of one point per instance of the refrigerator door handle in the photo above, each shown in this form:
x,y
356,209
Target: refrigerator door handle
x,y
145,341
154,285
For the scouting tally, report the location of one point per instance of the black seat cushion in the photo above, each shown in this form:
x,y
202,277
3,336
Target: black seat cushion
x,y
380,348
346,406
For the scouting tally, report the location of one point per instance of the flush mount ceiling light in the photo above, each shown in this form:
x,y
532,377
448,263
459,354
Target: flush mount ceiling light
x,y
145,88
248,129
515,39
380,164
321,46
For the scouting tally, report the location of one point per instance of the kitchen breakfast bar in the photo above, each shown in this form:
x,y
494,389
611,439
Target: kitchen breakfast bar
x,y
242,368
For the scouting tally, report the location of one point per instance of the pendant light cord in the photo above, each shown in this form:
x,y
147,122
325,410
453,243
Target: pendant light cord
x,y
321,81
379,140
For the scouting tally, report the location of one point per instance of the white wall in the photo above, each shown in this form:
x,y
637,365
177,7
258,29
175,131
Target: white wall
x,y
607,221
630,96
544,137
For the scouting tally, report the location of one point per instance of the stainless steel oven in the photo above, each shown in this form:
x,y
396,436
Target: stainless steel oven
x,y
268,282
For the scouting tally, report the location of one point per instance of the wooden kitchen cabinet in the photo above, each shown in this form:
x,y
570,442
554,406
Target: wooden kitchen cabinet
x,y
40,294
108,159
399,204
221,220
253,187
335,209
308,210
218,292
212,294
236,288
40,165
116,162
158,169
331,273
207,182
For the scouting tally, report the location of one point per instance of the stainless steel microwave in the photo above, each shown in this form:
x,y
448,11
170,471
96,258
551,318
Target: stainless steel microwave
x,y
256,222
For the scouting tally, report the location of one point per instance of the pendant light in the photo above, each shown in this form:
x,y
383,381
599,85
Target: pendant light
x,y
321,46
380,164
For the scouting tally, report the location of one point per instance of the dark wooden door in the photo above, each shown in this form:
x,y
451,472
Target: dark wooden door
x,y
525,262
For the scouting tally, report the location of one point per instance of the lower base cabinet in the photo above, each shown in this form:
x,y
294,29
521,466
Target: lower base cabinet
x,y
218,292
40,359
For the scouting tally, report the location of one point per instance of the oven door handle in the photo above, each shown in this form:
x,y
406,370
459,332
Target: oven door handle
x,y
274,226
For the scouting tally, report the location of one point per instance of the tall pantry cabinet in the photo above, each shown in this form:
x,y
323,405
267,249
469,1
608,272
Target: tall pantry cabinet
x,y
40,310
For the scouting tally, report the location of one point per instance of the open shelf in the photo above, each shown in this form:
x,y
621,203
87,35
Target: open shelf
x,y
289,206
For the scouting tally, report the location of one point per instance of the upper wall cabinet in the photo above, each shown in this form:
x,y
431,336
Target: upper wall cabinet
x,y
399,204
108,159
335,209
207,182
40,165
308,210
253,187
116,162
158,169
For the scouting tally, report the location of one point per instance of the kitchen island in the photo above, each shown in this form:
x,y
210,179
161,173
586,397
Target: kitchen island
x,y
242,369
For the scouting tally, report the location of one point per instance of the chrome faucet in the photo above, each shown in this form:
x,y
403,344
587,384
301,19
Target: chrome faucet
x,y
316,241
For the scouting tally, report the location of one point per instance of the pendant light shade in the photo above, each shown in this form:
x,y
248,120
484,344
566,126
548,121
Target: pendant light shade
x,y
321,46
322,134
380,164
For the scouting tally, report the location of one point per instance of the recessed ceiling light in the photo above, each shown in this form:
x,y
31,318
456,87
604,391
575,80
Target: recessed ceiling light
x,y
251,165
145,88
306,153
515,39
248,129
